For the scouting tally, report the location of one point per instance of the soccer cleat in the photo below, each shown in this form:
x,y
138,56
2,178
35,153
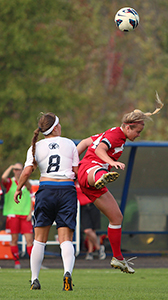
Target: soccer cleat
x,y
102,254
89,256
43,267
67,282
122,265
35,285
106,178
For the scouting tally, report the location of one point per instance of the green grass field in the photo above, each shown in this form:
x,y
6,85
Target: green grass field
x,y
91,284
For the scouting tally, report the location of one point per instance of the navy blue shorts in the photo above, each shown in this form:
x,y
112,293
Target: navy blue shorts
x,y
56,203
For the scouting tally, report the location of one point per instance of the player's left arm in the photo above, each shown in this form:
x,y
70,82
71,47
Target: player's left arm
x,y
75,170
101,152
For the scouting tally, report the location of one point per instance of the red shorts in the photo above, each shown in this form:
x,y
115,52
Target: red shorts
x,y
18,224
90,191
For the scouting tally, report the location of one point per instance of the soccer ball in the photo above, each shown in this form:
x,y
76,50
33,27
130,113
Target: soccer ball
x,y
126,19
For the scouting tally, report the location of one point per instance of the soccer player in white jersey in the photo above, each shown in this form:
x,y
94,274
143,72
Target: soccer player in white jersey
x,y
102,154
56,199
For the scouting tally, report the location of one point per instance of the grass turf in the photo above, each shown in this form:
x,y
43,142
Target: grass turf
x,y
95,284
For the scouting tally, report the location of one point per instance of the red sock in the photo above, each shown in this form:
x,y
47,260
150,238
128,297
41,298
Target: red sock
x,y
99,174
114,236
15,253
29,249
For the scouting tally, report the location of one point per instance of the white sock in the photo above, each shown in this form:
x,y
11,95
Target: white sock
x,y
68,256
36,258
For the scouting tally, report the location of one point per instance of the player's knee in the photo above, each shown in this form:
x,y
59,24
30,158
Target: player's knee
x,y
117,219
88,231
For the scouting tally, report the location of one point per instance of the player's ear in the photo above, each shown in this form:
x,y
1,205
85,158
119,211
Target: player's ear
x,y
127,128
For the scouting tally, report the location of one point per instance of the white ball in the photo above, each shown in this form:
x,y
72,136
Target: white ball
x,y
126,19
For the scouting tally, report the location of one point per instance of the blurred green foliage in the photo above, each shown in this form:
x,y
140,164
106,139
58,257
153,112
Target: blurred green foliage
x,y
69,58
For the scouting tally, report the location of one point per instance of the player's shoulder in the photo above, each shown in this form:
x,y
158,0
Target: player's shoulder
x,y
114,130
110,131
7,183
67,140
96,136
114,133
40,144
59,140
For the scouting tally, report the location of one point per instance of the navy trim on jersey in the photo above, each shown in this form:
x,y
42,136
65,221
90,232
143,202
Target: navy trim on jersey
x,y
105,141
57,183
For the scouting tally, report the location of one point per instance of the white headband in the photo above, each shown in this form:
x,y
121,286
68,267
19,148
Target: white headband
x,y
48,131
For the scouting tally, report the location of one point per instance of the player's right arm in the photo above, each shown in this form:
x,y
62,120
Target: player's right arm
x,y
84,144
6,173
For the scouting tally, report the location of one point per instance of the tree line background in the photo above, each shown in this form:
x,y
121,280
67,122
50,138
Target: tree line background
x,y
68,57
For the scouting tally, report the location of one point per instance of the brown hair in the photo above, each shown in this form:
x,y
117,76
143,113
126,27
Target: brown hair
x,y
138,117
44,123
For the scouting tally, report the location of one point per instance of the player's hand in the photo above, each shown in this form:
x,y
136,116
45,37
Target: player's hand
x,y
118,165
18,194
29,217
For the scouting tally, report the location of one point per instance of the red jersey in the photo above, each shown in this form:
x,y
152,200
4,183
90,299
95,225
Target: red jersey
x,y
7,184
114,138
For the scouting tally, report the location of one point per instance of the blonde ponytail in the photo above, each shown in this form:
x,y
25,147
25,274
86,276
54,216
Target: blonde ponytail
x,y
137,116
34,141
160,104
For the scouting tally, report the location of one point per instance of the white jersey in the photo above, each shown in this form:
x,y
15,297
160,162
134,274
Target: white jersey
x,y
55,157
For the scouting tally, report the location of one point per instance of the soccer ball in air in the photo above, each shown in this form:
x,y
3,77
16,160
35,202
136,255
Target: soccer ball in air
x,y
126,19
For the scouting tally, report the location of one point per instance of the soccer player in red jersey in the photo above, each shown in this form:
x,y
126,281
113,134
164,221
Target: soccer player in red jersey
x,y
103,152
